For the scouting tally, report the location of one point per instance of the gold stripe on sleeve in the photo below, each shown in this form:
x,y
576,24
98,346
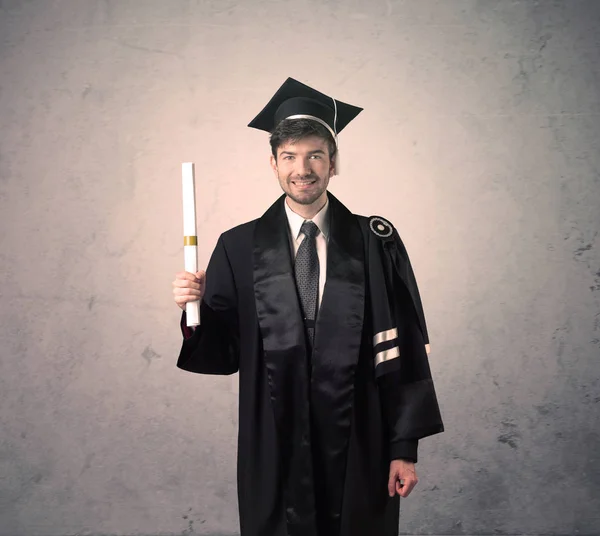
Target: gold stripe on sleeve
x,y
386,355
384,336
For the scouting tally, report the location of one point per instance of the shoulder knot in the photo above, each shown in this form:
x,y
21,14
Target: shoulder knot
x,y
381,227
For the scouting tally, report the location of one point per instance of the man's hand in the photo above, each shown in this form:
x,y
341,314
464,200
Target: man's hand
x,y
405,471
189,287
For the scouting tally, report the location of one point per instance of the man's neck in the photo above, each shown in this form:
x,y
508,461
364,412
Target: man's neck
x,y
308,212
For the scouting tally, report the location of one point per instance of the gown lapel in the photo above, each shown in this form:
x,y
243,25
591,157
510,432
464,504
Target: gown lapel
x,y
284,353
312,411
338,336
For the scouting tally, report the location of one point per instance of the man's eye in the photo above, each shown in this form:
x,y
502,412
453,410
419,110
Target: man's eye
x,y
316,156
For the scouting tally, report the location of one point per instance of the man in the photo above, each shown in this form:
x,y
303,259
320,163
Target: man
x,y
319,311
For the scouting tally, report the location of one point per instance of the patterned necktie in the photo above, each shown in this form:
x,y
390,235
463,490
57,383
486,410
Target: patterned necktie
x,y
307,277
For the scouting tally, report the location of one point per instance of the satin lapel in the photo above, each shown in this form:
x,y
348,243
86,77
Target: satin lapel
x,y
274,286
336,352
284,352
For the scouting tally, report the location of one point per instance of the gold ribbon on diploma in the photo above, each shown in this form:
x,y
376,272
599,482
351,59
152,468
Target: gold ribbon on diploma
x,y
190,240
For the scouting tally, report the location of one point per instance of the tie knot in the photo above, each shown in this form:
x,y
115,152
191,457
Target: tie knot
x,y
310,229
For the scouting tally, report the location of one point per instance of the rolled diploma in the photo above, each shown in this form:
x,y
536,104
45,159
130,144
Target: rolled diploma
x,y
190,240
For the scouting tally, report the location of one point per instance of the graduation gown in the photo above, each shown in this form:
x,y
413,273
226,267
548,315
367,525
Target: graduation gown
x,y
317,433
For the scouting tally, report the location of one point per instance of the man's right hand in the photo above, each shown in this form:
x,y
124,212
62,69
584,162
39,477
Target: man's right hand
x,y
189,287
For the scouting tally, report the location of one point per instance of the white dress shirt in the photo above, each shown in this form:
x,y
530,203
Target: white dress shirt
x,y
320,219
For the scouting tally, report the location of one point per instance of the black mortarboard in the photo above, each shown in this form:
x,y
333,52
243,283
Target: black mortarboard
x,y
295,100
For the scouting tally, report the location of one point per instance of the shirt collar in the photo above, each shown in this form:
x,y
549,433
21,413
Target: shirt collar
x,y
320,219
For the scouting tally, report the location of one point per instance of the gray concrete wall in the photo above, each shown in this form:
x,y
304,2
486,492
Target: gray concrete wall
x,y
480,139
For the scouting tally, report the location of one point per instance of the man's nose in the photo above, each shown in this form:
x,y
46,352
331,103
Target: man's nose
x,y
304,168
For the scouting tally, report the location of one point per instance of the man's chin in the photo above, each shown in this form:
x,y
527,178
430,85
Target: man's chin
x,y
304,200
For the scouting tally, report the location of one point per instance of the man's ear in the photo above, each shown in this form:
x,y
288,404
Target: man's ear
x,y
273,162
334,165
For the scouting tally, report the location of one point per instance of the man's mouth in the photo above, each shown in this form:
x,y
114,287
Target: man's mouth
x,y
304,182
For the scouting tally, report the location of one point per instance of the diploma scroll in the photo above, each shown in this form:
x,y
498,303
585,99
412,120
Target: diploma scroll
x,y
190,239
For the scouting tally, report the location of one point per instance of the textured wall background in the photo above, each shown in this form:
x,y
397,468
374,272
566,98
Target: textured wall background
x,y
480,139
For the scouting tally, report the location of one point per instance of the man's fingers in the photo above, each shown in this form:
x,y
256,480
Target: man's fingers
x,y
187,292
392,485
393,482
401,485
186,283
189,287
409,484
182,300
190,276
189,280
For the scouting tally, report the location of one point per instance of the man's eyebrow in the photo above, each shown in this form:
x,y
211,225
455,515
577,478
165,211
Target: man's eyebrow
x,y
310,152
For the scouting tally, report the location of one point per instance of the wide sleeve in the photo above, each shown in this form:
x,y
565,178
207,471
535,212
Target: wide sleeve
x,y
409,401
408,397
213,347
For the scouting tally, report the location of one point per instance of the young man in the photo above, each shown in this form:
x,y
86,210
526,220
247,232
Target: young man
x,y
319,311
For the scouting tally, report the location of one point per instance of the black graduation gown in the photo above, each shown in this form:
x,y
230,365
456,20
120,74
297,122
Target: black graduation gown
x,y
315,438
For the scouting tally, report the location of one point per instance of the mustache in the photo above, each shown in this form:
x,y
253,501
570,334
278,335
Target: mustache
x,y
312,176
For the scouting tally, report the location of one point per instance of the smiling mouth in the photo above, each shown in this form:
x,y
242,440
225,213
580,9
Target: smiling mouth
x,y
303,183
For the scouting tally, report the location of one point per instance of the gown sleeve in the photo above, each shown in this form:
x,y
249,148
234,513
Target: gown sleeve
x,y
213,346
409,402
407,392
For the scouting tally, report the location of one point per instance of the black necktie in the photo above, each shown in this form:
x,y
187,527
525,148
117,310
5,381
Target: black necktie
x,y
307,277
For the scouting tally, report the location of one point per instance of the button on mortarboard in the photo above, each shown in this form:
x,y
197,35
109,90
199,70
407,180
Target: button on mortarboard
x,y
294,98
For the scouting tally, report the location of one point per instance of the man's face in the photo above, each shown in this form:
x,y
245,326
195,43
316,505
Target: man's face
x,y
303,169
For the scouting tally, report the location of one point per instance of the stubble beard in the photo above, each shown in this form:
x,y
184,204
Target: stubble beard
x,y
303,200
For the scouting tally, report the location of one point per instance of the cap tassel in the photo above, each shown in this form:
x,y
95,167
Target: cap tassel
x,y
337,143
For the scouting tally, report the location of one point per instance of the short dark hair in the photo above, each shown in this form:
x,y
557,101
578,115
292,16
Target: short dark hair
x,y
293,130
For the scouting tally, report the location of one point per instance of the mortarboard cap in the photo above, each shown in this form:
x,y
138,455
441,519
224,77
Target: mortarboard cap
x,y
295,100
